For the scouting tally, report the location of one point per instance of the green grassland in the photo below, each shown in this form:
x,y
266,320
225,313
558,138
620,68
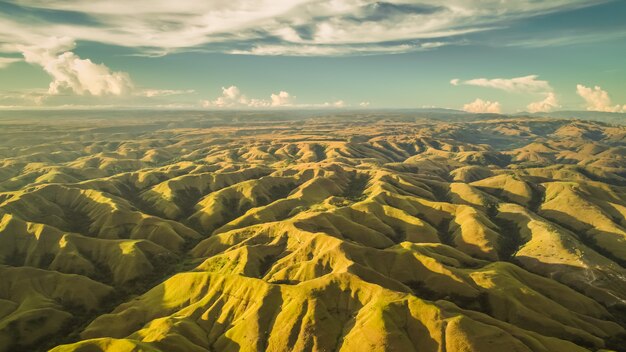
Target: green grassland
x,y
185,232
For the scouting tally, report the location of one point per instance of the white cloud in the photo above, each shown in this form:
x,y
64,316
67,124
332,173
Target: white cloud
x,y
233,98
73,76
291,49
548,104
313,26
364,104
150,93
76,78
598,99
530,84
339,104
482,106
282,99
523,84
6,61
70,73
230,97
581,36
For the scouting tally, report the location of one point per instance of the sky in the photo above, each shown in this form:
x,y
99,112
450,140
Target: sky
x,y
498,56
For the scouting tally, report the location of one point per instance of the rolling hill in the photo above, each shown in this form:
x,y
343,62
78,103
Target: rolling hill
x,y
188,232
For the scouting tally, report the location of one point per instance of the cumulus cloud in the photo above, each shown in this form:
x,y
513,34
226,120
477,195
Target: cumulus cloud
x,y
523,84
290,26
74,76
230,97
548,104
364,104
482,106
598,99
233,98
70,73
282,99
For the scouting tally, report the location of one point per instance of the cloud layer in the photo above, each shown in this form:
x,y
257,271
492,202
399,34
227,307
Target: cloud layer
x,y
45,33
264,27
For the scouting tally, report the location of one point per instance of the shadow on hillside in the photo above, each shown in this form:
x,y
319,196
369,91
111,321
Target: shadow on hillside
x,y
571,276
581,231
127,318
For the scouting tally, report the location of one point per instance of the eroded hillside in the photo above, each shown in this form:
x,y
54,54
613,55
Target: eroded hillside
x,y
334,234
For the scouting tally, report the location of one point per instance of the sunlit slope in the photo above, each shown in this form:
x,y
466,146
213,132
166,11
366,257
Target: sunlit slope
x,y
487,235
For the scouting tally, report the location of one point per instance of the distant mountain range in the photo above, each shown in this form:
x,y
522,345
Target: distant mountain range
x,y
611,117
281,115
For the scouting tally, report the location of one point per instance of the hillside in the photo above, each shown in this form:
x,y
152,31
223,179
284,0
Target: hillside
x,y
337,233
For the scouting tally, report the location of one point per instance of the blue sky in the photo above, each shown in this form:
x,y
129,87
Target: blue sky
x,y
477,55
